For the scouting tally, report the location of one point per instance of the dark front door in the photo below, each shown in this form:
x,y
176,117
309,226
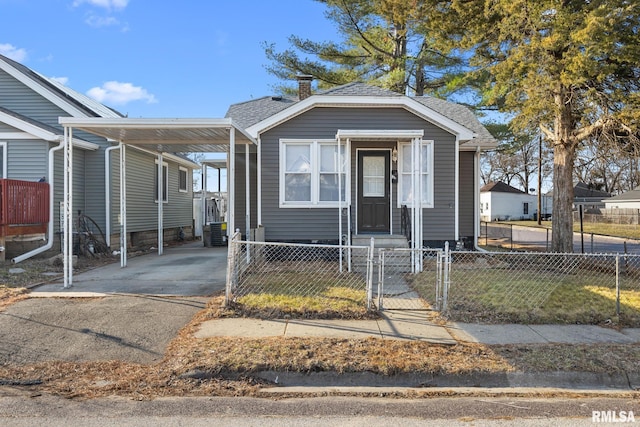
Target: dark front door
x,y
373,192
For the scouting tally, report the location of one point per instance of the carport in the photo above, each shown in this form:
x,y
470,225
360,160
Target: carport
x,y
159,136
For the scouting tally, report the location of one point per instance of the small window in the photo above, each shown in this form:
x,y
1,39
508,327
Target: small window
x,y
182,179
165,182
526,209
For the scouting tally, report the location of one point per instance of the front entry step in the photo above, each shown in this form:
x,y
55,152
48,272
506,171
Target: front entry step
x,y
386,241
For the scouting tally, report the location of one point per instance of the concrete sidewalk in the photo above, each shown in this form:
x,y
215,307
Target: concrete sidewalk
x,y
415,325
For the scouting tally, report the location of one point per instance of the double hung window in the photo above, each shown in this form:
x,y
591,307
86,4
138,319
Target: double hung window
x,y
407,167
312,173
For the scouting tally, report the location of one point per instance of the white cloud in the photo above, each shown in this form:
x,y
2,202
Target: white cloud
x,y
62,80
101,21
12,52
118,93
106,4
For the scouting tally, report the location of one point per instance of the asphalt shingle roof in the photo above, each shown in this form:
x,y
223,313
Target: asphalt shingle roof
x,y
249,113
44,126
90,106
500,187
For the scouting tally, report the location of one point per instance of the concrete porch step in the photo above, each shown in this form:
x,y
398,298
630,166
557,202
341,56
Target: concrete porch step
x,y
387,241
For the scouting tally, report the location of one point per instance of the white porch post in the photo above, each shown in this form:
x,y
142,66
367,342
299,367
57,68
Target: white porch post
x,y
231,185
247,192
160,205
204,198
123,205
416,221
339,167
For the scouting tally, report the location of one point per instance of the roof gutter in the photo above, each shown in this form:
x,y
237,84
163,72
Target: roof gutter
x,y
49,243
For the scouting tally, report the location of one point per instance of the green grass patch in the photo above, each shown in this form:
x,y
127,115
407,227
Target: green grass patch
x,y
318,294
496,295
629,231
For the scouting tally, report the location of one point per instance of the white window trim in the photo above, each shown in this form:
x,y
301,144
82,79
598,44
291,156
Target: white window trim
x,y
315,174
165,177
4,147
428,144
186,183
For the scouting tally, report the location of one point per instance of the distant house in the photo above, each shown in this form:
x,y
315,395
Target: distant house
x,y
628,200
584,195
500,202
590,199
31,142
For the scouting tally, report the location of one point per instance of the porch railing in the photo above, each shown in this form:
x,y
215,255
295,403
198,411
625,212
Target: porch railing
x,y
24,207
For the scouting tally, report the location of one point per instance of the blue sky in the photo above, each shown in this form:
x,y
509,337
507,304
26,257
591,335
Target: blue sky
x,y
145,58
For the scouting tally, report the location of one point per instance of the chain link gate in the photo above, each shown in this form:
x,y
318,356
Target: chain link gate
x,y
410,279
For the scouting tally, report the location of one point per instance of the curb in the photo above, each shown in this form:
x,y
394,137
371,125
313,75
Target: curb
x,y
566,380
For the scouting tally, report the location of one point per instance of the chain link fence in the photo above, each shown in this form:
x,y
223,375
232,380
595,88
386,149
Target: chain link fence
x,y
542,287
307,275
495,287
524,238
400,288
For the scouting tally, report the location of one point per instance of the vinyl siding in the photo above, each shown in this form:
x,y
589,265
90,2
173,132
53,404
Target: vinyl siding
x,y
141,205
27,159
21,99
323,123
240,193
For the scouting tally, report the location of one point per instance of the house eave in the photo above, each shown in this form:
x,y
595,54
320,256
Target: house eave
x,y
41,90
31,130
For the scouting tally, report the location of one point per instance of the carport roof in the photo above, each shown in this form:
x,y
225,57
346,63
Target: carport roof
x,y
165,135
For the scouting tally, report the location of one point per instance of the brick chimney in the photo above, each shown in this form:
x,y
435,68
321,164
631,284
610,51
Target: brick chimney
x,y
304,86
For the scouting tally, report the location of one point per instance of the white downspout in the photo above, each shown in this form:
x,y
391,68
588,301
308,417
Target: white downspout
x,y
123,205
476,192
259,182
457,191
107,192
49,244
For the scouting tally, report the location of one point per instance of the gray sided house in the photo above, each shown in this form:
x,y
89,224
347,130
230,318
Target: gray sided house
x,y
31,149
345,163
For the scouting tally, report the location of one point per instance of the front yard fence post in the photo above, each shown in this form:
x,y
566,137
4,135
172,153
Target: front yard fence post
x,y
446,273
370,274
381,258
231,261
618,285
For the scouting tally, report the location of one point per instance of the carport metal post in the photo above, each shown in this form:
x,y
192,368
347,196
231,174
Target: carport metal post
x,y
123,205
160,205
231,185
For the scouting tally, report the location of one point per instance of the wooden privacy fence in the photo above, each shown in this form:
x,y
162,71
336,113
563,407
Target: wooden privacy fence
x,y
24,207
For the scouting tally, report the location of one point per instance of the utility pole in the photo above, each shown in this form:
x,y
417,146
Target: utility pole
x,y
540,180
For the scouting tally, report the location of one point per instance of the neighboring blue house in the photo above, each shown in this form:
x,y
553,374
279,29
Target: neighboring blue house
x,y
31,140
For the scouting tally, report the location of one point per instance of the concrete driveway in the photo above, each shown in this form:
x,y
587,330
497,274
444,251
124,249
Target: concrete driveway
x,y
131,313
187,270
